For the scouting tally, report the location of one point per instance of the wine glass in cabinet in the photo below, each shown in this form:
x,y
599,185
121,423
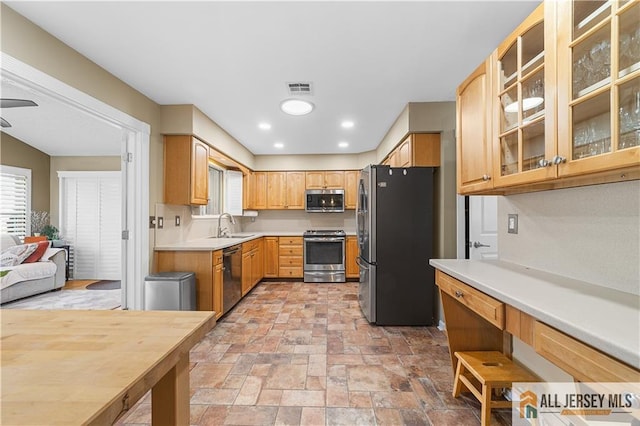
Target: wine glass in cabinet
x,y
524,101
598,86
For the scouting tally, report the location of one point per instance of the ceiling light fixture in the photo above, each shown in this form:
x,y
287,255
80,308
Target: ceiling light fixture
x,y
343,144
278,145
264,126
296,107
347,124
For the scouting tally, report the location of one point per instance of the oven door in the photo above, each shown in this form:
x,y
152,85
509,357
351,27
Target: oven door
x,y
324,253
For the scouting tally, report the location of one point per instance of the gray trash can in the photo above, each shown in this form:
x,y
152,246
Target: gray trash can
x,y
170,291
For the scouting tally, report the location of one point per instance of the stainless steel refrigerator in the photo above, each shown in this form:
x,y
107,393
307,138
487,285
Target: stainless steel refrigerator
x,y
394,222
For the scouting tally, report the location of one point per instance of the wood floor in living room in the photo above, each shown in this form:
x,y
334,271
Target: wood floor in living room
x,y
303,354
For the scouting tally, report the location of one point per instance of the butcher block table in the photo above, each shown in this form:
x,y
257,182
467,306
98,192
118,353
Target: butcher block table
x,y
78,367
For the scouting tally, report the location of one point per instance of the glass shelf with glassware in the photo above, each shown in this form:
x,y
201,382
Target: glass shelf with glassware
x,y
592,62
629,114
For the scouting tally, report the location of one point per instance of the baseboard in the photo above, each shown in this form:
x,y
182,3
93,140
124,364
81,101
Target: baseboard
x,y
442,326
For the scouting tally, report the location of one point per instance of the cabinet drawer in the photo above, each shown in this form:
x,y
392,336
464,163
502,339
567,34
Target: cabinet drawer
x,y
290,250
578,359
290,240
217,257
286,272
249,245
486,306
288,261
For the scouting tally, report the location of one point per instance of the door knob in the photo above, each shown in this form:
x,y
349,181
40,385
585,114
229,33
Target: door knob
x,y
478,244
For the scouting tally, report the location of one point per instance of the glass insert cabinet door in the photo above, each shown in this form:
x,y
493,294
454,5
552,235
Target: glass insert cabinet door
x,y
525,79
598,84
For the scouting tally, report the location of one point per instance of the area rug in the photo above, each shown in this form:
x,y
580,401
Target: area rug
x,y
70,299
104,285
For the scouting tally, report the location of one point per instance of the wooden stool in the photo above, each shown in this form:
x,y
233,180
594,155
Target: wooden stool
x,y
492,370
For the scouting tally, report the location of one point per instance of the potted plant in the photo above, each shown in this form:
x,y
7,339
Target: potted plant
x,y
51,232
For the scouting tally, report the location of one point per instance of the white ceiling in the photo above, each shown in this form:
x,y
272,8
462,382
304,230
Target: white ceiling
x,y
232,60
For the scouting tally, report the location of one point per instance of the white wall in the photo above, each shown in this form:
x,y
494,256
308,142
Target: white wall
x,y
590,233
300,221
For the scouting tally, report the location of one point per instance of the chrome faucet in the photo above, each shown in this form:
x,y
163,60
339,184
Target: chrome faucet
x,y
233,222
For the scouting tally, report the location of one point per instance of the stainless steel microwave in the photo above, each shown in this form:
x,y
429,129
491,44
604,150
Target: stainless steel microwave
x,y
324,200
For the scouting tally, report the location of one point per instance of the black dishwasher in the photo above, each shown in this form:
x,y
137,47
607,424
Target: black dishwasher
x,y
232,277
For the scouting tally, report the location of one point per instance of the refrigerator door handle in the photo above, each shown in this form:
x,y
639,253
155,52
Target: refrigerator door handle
x,y
359,263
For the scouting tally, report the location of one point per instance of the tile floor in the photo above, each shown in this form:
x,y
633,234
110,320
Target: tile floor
x,y
303,354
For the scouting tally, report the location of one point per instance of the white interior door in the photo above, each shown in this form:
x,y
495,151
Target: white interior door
x,y
91,222
483,227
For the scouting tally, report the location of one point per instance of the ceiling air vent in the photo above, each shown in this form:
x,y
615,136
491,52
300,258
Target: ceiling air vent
x,y
300,88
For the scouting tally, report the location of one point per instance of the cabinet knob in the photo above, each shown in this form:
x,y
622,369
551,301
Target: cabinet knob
x,y
459,293
545,163
486,177
559,159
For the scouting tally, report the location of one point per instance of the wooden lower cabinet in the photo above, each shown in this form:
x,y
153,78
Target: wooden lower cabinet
x,y
290,257
270,257
252,264
217,282
475,323
207,266
351,254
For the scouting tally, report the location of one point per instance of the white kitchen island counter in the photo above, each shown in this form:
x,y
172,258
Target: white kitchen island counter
x,y
606,319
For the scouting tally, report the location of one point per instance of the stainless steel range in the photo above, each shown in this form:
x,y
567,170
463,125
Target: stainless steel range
x,y
324,254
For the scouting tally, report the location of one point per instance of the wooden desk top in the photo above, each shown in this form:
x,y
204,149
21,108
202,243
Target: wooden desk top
x,y
84,367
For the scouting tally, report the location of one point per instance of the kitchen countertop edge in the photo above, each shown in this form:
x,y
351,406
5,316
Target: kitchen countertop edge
x,y
594,316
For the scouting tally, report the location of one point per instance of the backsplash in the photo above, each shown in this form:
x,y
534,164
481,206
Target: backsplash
x,y
588,233
267,221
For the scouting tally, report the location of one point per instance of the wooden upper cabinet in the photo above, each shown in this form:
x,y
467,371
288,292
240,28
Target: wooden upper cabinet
x,y
473,131
418,149
276,190
295,190
333,179
524,135
186,170
259,190
285,190
598,86
351,188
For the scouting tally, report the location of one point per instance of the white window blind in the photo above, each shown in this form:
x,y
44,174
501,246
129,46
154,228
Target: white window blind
x,y
233,192
15,201
90,221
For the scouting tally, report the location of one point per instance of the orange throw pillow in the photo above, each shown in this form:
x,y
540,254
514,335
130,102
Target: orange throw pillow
x,y
36,255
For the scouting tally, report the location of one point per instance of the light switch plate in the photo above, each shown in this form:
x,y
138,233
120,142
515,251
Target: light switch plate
x,y
512,224
177,221
152,222
160,222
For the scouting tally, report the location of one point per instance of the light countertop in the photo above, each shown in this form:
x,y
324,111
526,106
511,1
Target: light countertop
x,y
211,243
607,319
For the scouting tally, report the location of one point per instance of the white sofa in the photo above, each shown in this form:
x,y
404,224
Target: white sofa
x,y
28,279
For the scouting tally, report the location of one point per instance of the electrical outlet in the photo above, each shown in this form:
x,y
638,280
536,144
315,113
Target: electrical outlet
x,y
160,222
152,222
177,220
512,224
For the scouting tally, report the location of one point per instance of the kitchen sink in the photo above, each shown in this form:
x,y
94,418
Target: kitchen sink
x,y
237,235
241,235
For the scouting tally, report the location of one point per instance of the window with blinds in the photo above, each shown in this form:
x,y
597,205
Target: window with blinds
x,y
15,201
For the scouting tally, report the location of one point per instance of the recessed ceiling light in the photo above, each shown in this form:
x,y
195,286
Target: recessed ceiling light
x,y
296,107
278,145
347,124
264,126
343,144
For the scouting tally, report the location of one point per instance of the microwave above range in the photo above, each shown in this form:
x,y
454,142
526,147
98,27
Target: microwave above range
x,y
324,200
